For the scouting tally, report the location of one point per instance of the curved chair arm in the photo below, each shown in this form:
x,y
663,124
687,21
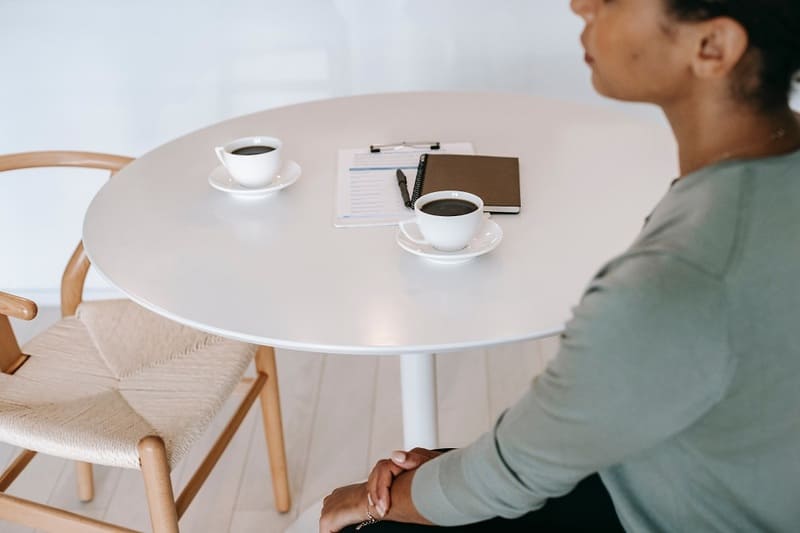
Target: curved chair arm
x,y
11,358
72,281
75,273
63,159
17,307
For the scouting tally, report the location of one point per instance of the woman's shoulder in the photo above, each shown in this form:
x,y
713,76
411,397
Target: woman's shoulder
x,y
703,215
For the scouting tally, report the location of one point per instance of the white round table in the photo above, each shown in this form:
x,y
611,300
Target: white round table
x,y
275,271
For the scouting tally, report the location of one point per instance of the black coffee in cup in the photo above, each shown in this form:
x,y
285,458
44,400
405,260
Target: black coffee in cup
x,y
449,207
253,150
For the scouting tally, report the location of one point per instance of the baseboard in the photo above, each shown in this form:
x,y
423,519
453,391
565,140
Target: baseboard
x,y
52,297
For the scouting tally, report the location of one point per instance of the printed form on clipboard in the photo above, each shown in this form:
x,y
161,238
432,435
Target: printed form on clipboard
x,y
367,193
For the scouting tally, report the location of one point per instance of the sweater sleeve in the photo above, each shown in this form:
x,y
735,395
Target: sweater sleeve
x,y
644,356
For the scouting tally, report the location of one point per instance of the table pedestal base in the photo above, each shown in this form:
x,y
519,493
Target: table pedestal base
x,y
420,420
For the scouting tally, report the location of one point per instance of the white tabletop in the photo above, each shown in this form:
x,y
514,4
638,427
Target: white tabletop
x,y
275,271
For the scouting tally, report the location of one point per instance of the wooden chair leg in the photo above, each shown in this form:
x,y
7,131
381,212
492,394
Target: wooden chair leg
x,y
273,428
158,485
85,479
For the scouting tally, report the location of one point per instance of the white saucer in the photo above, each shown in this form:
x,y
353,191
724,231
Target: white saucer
x,y
484,242
220,179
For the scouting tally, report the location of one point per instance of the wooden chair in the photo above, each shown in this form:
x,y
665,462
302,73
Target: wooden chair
x,y
95,388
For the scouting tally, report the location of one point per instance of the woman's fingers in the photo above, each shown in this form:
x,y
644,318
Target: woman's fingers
x,y
382,475
378,484
414,458
399,457
385,477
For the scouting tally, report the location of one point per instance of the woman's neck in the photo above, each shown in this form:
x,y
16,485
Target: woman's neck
x,y
710,133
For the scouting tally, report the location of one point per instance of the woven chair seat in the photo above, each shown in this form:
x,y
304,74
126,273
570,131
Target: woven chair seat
x,y
98,382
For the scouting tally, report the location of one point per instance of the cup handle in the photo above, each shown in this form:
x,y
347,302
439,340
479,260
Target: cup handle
x,y
402,226
220,151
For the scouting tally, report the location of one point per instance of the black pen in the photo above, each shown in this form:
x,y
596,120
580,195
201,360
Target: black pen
x,y
401,182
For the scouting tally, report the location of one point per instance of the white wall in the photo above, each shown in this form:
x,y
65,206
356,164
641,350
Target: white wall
x,y
124,77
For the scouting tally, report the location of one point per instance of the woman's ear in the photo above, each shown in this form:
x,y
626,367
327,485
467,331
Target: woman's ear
x,y
720,44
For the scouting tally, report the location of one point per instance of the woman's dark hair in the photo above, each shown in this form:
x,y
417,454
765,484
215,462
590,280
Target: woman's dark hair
x,y
773,29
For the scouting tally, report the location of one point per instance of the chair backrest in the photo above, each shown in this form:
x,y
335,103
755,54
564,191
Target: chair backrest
x,y
74,275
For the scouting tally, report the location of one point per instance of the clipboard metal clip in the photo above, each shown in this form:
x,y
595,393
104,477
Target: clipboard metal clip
x,y
431,145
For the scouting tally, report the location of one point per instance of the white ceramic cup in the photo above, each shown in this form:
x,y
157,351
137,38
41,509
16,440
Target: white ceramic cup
x,y
255,170
446,233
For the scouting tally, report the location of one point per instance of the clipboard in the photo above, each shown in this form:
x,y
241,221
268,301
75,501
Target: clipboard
x,y
366,185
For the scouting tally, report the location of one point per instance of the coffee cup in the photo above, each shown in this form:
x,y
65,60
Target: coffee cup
x,y
251,161
447,220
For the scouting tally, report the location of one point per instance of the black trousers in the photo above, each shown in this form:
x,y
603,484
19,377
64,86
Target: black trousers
x,y
587,508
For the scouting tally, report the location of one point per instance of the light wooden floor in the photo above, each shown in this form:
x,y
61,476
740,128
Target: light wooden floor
x,y
340,415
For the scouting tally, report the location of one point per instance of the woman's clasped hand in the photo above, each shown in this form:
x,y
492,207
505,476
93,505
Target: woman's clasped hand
x,y
371,500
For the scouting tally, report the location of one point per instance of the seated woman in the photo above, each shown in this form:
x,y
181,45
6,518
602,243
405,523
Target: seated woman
x,y
677,384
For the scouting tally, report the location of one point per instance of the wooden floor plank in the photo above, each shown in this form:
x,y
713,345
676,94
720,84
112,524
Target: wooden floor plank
x,y
308,520
212,508
510,369
7,454
387,411
127,506
342,427
36,483
65,494
270,521
462,397
298,377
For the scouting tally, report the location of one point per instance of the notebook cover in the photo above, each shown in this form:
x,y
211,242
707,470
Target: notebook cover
x,y
494,179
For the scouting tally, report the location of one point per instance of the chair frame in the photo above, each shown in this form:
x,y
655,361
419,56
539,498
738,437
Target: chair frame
x,y
165,510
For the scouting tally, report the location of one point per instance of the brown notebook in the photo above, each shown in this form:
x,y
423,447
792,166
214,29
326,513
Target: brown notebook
x,y
494,179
